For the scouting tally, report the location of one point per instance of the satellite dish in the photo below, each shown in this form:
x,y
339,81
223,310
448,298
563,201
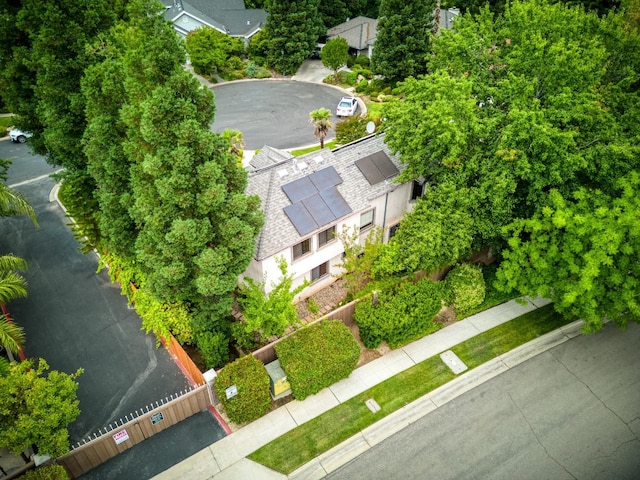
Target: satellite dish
x,y
371,127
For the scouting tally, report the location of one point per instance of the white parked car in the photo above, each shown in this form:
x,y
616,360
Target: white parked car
x,y
347,107
19,136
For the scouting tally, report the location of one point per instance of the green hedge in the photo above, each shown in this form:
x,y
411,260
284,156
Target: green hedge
x,y
402,314
252,381
49,472
466,286
318,356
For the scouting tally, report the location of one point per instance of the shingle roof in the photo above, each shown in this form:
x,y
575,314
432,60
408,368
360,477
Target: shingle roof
x,y
229,16
278,232
359,32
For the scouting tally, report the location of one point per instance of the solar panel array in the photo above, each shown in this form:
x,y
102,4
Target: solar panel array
x,y
315,200
377,167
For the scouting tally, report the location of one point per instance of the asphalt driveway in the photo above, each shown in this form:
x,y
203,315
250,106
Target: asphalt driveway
x,y
75,317
273,112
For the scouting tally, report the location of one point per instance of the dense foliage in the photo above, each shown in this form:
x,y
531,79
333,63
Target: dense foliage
x,y
334,54
209,50
400,314
318,356
466,287
403,39
251,380
292,30
269,314
36,407
47,472
543,98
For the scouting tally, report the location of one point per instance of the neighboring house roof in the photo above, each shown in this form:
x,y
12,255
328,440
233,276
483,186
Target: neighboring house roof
x,y
268,156
227,16
279,232
359,32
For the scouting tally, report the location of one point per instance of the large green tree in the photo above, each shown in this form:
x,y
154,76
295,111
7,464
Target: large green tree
x,y
42,59
172,188
541,98
582,252
403,39
209,49
335,54
293,28
36,407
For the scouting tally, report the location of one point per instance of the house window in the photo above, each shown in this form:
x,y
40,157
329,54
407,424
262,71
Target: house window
x,y
320,271
417,190
326,236
366,219
302,248
393,230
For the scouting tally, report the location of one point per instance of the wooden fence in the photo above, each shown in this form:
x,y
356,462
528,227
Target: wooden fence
x,y
129,432
182,358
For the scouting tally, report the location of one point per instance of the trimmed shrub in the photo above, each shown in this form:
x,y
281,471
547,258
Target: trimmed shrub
x,y
352,78
363,61
252,381
401,314
466,286
318,356
214,347
362,86
48,472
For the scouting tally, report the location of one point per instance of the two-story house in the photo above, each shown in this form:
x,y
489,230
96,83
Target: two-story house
x,y
308,200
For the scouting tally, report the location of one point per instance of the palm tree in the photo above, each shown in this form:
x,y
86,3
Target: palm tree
x,y
14,203
321,123
12,286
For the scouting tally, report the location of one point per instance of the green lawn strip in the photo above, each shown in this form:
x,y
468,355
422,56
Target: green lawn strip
x,y
303,443
303,151
309,440
507,336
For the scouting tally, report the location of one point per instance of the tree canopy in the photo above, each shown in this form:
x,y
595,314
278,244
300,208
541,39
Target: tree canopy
x,y
293,28
403,39
335,54
543,98
36,407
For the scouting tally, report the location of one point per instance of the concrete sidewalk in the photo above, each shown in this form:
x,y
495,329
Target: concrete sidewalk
x,y
225,459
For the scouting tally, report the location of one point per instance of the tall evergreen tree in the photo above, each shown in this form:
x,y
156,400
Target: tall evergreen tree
x,y
293,28
42,60
403,40
170,191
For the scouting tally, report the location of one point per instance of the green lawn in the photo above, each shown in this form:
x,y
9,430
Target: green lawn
x,y
5,122
309,440
303,151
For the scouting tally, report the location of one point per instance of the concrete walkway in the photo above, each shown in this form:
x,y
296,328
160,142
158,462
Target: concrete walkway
x,y
225,459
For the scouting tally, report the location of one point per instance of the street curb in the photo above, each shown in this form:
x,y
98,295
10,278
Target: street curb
x,y
367,438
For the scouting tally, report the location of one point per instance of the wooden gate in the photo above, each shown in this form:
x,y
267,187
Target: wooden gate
x,y
129,432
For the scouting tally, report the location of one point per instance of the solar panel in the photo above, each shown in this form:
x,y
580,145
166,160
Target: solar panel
x,y
336,202
301,219
384,164
370,171
318,209
325,178
299,189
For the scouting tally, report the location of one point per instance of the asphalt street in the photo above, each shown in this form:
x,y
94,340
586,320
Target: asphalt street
x,y
75,317
572,412
273,112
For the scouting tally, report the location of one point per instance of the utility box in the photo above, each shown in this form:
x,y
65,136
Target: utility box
x,y
278,383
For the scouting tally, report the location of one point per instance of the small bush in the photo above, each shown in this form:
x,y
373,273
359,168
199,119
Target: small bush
x,y
214,347
402,314
234,63
352,78
351,61
318,356
362,86
350,129
48,472
363,61
252,381
466,286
